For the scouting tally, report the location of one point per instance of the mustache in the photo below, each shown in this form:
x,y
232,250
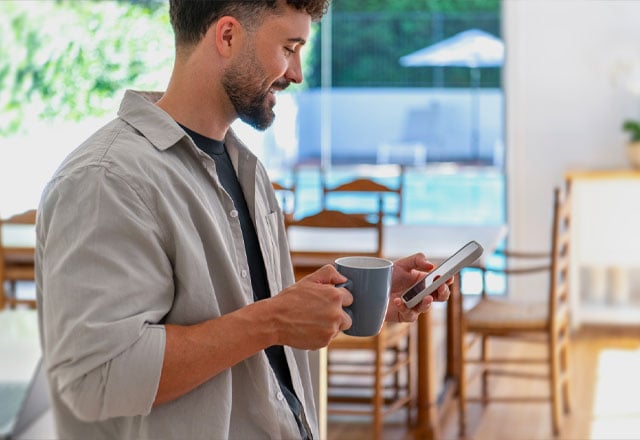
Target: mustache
x,y
281,84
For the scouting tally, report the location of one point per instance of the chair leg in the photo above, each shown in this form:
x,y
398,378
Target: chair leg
x,y
554,370
462,386
397,381
3,298
564,364
377,393
485,373
12,299
411,374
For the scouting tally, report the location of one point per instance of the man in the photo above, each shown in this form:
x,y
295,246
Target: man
x,y
166,296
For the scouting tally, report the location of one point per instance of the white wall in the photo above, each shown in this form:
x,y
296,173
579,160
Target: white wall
x,y
564,105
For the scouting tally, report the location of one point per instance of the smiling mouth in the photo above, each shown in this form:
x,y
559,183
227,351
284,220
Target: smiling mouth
x,y
277,86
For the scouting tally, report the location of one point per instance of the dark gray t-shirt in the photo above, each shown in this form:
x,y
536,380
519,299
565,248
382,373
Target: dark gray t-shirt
x,y
259,282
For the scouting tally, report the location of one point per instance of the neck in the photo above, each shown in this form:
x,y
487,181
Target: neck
x,y
195,101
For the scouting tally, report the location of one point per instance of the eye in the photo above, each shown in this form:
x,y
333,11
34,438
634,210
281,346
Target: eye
x,y
289,51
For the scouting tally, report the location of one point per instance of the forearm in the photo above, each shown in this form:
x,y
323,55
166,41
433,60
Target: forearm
x,y
196,353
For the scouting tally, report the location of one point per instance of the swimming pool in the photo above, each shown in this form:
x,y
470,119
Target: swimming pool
x,y
437,195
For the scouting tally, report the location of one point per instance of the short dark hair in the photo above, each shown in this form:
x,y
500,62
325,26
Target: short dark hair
x,y
191,19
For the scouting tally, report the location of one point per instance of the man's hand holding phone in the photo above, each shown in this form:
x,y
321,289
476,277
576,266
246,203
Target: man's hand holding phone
x,y
406,272
430,283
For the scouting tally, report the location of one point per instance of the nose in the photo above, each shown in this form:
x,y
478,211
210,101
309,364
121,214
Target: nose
x,y
294,70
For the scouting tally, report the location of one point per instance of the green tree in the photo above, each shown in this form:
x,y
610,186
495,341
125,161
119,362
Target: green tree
x,y
369,36
68,59
416,5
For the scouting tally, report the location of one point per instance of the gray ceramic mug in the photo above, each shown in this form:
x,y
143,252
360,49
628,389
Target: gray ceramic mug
x,y
370,284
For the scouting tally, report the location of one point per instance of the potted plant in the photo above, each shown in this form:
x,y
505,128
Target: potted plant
x,y
633,147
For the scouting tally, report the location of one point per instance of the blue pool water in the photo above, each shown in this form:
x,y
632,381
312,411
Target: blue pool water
x,y
437,196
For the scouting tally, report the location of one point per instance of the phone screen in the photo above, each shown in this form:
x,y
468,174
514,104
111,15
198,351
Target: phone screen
x,y
416,288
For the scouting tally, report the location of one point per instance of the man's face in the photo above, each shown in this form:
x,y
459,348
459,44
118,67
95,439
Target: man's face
x,y
269,62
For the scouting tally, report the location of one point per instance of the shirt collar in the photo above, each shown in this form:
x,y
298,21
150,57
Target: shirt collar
x,y
138,109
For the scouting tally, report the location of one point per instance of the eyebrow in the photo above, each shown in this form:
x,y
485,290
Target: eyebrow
x,y
297,40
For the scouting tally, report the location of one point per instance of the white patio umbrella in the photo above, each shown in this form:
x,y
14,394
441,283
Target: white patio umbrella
x,y
472,48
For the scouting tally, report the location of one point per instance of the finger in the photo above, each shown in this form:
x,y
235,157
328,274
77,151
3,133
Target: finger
x,y
421,307
450,281
416,261
346,321
424,305
410,315
327,274
347,298
442,294
422,263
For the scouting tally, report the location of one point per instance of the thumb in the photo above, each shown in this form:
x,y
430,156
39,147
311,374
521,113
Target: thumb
x,y
327,274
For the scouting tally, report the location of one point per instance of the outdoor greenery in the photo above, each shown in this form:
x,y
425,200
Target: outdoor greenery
x,y
65,60
369,37
68,59
416,5
633,128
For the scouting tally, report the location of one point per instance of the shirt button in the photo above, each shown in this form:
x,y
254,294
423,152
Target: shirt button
x,y
243,274
233,213
280,396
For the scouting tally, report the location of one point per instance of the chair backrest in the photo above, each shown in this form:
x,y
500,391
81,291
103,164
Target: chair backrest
x,y
17,259
287,193
286,198
371,188
24,218
560,252
27,218
322,237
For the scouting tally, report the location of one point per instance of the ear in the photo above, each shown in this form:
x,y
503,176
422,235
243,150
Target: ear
x,y
227,35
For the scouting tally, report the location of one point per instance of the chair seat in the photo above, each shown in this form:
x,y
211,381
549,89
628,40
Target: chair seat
x,y
503,316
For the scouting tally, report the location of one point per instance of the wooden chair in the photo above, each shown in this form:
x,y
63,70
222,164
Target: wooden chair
x,y
287,195
367,186
16,263
365,375
286,198
324,246
545,322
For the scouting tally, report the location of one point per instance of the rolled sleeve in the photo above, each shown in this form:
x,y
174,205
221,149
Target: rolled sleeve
x,y
106,284
121,389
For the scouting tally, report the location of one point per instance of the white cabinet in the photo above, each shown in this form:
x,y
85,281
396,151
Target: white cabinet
x,y
605,247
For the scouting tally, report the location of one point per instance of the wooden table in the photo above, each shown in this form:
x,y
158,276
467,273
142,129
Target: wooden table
x,y
438,242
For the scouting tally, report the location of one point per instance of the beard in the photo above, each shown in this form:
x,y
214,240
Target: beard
x,y
241,82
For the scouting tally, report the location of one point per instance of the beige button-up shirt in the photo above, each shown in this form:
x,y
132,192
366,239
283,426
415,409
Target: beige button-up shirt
x,y
135,231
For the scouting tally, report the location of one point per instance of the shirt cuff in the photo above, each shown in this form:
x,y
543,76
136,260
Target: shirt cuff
x,y
125,386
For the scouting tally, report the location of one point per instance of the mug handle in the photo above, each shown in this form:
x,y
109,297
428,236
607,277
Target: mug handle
x,y
347,284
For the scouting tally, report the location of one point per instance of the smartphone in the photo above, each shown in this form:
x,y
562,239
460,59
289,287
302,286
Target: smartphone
x,y
466,255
